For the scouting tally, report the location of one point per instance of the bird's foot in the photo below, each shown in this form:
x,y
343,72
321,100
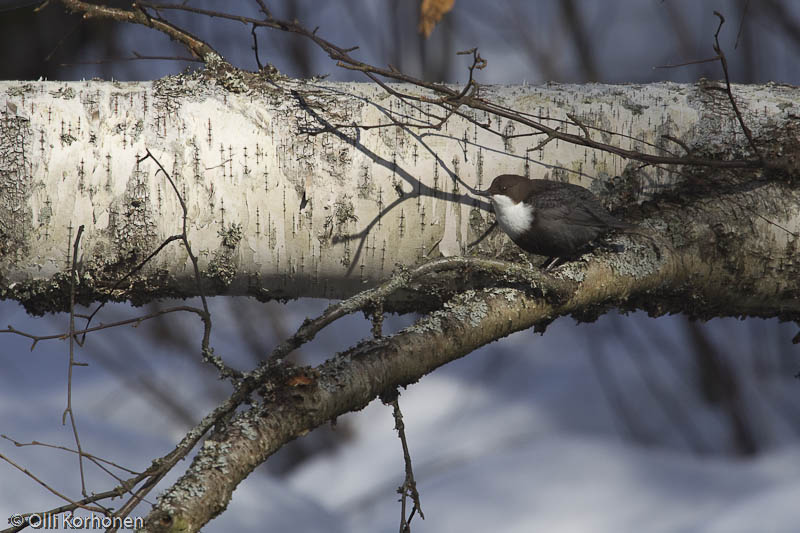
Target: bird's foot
x,y
552,263
603,244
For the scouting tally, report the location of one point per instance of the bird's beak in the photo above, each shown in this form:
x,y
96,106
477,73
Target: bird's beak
x,y
485,194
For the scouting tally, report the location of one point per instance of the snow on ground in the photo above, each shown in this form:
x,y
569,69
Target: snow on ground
x,y
517,458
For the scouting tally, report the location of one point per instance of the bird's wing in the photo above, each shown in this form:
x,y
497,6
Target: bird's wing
x,y
573,205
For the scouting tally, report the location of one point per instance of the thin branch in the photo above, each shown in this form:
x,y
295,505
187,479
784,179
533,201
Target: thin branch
x,y
724,62
72,363
308,330
118,283
135,321
207,352
64,448
136,57
580,124
116,492
50,489
741,24
61,41
98,461
409,487
264,9
255,46
678,142
486,233
687,63
136,15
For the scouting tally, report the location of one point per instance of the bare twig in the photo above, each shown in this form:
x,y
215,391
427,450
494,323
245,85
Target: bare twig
x,y
61,41
28,473
136,57
255,46
308,330
135,321
55,446
118,283
486,233
724,62
98,461
678,142
741,24
136,15
687,63
580,124
72,363
263,7
409,487
208,353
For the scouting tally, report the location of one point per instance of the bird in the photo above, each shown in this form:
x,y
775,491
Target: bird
x,y
551,218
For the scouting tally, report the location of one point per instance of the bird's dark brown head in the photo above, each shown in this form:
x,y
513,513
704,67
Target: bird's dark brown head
x,y
517,188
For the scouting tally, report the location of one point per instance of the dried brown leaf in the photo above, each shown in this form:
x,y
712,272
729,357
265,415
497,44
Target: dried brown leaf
x,y
299,380
431,12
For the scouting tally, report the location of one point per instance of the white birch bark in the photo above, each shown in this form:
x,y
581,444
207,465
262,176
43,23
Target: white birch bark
x,y
244,164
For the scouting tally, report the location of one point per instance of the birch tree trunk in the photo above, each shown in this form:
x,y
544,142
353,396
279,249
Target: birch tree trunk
x,y
285,199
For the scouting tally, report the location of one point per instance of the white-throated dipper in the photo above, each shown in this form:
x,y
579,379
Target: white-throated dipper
x,y
549,218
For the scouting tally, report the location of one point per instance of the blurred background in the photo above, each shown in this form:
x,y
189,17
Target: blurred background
x,y
626,424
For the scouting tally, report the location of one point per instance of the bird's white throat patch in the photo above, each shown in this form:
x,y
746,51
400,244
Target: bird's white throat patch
x,y
513,218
